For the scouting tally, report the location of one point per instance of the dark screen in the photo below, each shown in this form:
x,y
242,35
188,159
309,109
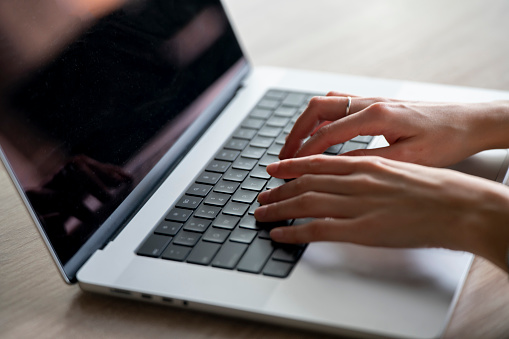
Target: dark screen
x,y
81,131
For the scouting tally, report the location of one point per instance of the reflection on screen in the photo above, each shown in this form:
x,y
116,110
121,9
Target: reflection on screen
x,y
83,130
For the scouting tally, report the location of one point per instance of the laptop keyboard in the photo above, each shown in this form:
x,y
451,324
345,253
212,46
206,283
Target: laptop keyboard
x,y
212,223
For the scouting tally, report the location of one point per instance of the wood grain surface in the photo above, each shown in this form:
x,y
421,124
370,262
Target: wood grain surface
x,y
459,42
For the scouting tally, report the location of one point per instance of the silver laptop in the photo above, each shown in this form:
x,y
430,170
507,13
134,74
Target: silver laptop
x,y
139,151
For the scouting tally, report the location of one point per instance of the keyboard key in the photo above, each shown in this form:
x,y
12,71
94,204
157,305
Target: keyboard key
x,y
285,111
245,163
278,121
268,131
268,103
197,225
352,145
263,142
226,221
244,133
203,253
253,207
199,190
235,175
334,149
176,252
275,182
294,99
186,238
207,211
235,208
288,128
275,149
253,184
218,166
266,227
154,245
281,139
227,155
168,228
277,269
256,256
268,159
363,138
217,199
188,201
260,172
249,221
217,235
243,235
208,178
275,94
245,196
253,152
253,123
288,253
236,144
229,255
178,214
228,187
261,113
264,234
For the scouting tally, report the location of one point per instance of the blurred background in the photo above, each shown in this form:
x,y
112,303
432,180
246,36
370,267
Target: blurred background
x,y
461,42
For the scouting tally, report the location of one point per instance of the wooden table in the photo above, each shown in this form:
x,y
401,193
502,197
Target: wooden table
x,y
460,42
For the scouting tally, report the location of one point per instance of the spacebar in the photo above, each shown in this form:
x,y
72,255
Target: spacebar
x,y
256,256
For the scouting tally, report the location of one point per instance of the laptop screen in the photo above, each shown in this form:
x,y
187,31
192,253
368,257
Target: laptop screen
x,y
83,129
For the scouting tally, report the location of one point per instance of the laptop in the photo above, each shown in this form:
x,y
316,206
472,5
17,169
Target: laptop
x,y
139,151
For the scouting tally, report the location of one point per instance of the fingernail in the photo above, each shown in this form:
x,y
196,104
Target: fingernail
x,y
272,168
262,197
260,212
277,234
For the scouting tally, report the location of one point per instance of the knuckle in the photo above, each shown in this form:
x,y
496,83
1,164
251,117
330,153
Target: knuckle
x,y
369,164
317,230
304,199
325,135
381,109
366,181
314,163
314,102
302,183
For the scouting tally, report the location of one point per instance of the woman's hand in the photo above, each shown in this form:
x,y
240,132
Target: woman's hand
x,y
380,202
434,134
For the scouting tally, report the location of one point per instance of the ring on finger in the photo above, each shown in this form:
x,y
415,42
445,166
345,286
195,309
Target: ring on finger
x,y
348,106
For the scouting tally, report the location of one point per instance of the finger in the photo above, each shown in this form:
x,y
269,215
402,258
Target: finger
x,y
361,231
370,121
319,110
322,164
342,230
332,184
341,94
308,205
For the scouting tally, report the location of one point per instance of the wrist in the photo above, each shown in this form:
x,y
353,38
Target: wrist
x,y
490,125
490,236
